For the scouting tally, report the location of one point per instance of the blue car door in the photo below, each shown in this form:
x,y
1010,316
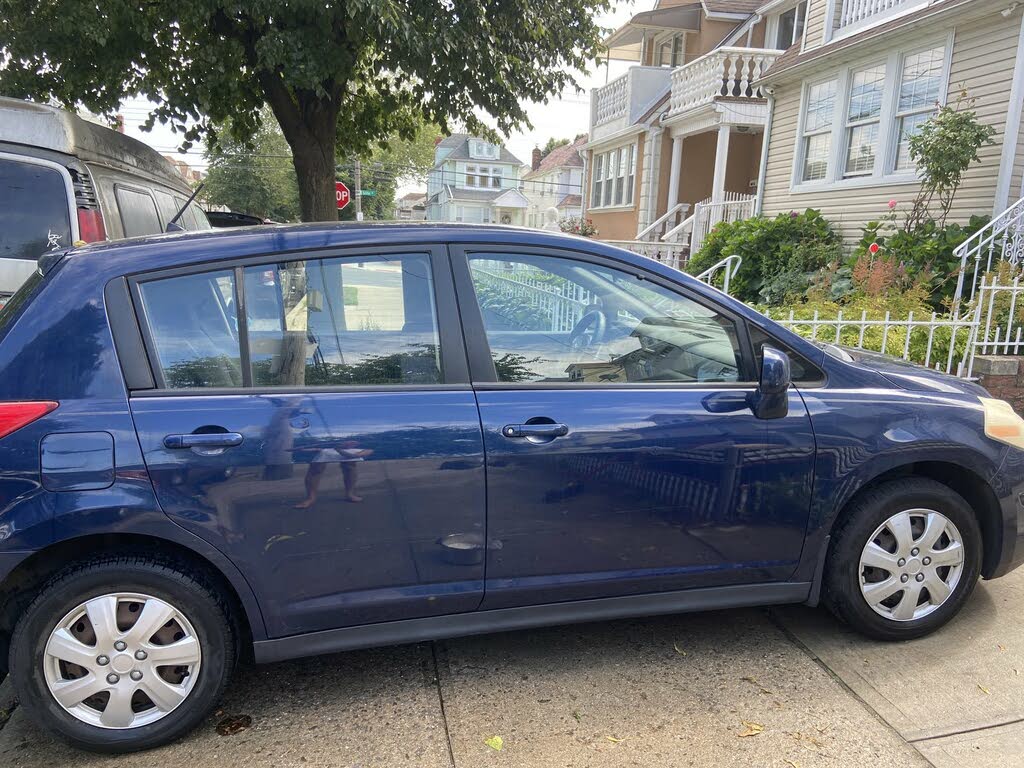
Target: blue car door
x,y
314,421
622,457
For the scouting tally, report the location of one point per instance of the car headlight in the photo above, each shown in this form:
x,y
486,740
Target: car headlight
x,y
1002,422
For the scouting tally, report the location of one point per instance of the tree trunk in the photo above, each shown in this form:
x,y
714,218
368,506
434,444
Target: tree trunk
x,y
314,167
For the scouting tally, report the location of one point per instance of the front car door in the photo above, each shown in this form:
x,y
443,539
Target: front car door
x,y
622,457
314,421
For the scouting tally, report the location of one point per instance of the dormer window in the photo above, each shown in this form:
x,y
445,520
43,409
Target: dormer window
x,y
789,27
482,149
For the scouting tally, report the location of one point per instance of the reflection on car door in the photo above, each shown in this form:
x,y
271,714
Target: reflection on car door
x,y
621,455
314,421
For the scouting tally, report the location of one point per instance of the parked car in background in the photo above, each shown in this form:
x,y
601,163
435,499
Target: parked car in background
x,y
225,219
283,441
64,180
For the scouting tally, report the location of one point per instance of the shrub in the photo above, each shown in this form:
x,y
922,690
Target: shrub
x,y
780,255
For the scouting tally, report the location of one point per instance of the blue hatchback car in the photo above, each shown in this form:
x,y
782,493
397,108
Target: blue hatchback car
x,y
286,441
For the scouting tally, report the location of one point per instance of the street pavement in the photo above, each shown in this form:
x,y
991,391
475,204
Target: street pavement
x,y
787,687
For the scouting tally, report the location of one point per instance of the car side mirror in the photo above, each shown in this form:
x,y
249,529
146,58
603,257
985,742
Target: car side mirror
x,y
771,399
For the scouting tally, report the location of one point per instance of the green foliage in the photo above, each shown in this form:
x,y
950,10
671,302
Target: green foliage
x,y
553,143
899,307
359,70
254,177
577,225
389,163
780,255
921,255
942,149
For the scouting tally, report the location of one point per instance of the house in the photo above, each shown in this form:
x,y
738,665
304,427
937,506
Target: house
x,y
675,142
411,206
555,181
474,180
863,76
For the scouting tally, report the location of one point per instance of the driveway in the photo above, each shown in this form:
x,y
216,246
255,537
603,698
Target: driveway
x,y
782,688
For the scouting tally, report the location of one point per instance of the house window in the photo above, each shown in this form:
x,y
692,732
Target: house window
x,y
791,26
672,52
484,176
862,120
882,105
614,173
482,149
920,86
817,134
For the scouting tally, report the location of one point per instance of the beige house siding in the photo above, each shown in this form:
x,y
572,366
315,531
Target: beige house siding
x,y
814,28
982,62
1017,180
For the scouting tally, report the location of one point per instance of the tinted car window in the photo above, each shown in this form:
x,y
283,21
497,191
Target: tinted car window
x,y
138,212
342,321
193,326
801,371
554,319
35,215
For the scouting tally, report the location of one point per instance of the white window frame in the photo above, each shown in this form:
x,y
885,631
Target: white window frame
x,y
775,20
892,156
669,39
802,135
849,125
884,172
614,185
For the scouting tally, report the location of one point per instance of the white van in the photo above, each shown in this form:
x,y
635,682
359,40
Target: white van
x,y
65,180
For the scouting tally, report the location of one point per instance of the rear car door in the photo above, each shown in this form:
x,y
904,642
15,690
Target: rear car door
x,y
622,457
313,419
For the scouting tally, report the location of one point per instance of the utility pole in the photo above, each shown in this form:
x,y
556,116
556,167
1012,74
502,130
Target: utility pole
x,y
359,190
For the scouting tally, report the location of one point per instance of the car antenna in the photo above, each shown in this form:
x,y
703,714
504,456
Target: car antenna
x,y
173,225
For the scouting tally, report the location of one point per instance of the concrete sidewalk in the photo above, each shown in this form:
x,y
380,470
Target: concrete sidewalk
x,y
741,688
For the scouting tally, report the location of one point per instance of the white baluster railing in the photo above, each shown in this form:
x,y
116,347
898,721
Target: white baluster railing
x,y
857,11
1002,239
724,72
657,228
728,266
611,101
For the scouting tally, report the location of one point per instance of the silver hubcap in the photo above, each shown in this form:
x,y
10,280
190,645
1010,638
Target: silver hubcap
x,y
911,564
122,660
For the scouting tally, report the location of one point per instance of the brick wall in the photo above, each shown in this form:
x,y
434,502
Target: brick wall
x,y
1003,377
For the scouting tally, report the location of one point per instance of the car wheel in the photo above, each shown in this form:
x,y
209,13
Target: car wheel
x,y
903,560
123,653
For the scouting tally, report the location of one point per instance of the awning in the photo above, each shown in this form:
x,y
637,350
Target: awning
x,y
624,44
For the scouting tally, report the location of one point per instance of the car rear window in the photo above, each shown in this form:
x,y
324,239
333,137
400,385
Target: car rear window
x,y
138,212
35,215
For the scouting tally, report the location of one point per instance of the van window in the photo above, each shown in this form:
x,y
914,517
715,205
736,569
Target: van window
x,y
138,212
35,215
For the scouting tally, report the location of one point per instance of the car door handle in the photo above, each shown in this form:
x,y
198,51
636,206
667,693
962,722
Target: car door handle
x,y
205,440
535,430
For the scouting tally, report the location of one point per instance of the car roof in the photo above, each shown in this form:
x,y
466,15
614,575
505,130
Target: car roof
x,y
159,251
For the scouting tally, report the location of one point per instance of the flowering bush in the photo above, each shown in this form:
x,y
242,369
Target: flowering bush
x,y
577,225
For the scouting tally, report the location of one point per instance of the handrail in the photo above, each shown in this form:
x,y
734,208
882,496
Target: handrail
x,y
662,219
981,239
731,265
682,226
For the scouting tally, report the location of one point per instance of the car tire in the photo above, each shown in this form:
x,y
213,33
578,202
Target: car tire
x,y
885,577
73,607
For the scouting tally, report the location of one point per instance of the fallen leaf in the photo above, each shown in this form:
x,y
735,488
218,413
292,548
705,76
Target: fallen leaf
x,y
984,689
679,650
1001,647
576,714
495,743
753,729
793,763
613,740
754,682
233,724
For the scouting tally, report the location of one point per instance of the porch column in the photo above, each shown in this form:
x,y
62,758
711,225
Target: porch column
x,y
721,161
674,171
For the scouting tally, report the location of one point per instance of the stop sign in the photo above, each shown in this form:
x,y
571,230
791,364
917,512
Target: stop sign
x,y
341,194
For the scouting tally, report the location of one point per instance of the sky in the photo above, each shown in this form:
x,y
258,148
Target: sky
x,y
563,117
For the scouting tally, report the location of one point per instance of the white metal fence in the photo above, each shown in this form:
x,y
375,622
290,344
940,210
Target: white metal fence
x,y
561,303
